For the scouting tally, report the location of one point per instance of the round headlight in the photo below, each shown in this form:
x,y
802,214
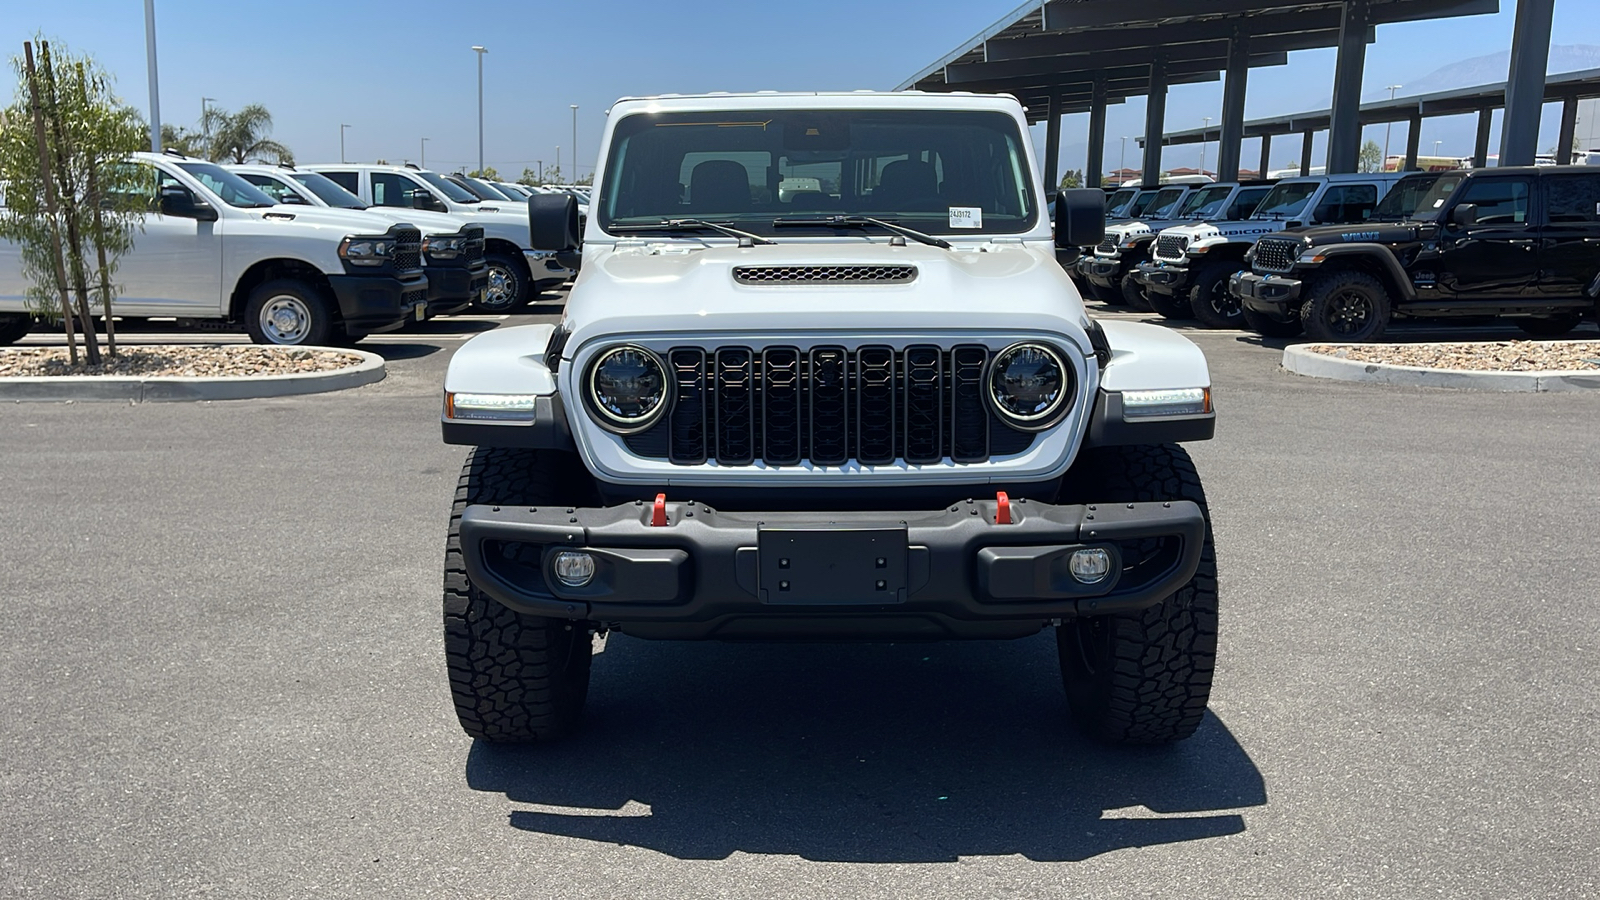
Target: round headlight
x,y
1030,386
628,389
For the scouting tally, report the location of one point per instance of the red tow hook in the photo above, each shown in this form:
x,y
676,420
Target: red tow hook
x,y
1002,508
658,514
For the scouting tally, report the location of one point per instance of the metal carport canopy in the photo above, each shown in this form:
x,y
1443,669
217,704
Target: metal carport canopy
x,y
1060,56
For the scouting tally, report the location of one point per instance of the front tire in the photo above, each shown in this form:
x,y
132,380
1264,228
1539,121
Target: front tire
x,y
1133,293
1348,306
14,327
1213,305
1169,306
1144,677
510,286
290,312
514,678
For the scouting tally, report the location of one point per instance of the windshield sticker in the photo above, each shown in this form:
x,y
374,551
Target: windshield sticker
x,y
966,217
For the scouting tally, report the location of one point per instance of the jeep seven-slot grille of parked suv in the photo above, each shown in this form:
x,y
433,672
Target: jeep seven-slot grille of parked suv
x,y
828,406
1277,254
1106,248
869,274
1171,247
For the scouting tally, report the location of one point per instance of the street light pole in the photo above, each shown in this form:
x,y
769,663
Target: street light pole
x,y
150,62
1122,164
342,127
1436,147
205,123
558,159
574,178
1388,127
480,51
540,164
1203,130
424,156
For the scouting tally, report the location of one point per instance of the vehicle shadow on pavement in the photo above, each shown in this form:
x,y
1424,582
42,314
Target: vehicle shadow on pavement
x,y
393,352
859,753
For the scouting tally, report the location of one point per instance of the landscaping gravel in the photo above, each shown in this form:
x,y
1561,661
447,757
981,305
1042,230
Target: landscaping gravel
x,y
178,361
1477,356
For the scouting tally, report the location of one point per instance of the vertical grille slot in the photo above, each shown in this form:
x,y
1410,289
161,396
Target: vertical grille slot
x,y
969,418
780,406
830,406
735,405
688,419
924,401
875,405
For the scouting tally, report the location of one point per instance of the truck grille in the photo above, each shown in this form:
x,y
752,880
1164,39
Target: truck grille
x,y
868,274
407,249
474,248
828,406
1276,254
1170,247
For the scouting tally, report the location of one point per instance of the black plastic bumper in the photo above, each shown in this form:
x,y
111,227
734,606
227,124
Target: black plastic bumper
x,y
453,288
1271,295
877,574
373,303
1163,278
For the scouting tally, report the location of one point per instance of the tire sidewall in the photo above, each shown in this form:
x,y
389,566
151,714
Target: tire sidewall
x,y
1168,306
1317,311
322,328
519,285
1132,292
1210,285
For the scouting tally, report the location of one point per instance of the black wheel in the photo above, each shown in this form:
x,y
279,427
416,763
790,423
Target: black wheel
x,y
290,311
509,285
1345,306
514,678
1169,306
1143,678
1213,305
14,327
1550,326
1266,327
1133,293
1103,294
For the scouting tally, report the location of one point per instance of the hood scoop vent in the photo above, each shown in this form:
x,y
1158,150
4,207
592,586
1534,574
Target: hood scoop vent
x,y
862,274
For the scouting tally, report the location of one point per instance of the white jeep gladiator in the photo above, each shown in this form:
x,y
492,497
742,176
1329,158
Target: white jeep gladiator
x,y
874,409
214,247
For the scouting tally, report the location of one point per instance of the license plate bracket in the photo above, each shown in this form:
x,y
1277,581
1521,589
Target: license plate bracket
x,y
832,567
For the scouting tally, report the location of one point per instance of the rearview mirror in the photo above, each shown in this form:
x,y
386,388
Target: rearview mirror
x,y
553,222
1465,215
1080,217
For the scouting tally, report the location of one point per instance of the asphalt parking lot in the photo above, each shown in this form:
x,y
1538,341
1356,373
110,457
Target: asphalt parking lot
x,y
223,675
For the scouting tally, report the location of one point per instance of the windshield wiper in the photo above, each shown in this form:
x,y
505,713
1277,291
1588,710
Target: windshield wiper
x,y
693,225
862,221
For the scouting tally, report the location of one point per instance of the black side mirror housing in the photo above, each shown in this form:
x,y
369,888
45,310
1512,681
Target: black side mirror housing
x,y
292,199
553,222
1080,217
423,200
1464,215
179,202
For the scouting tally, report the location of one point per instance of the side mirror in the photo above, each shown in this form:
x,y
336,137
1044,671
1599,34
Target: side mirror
x,y
1464,215
553,222
421,199
177,201
290,198
1080,217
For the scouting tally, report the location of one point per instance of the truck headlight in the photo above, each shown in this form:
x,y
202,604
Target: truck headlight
x,y
444,246
490,407
366,251
1176,402
627,388
1030,386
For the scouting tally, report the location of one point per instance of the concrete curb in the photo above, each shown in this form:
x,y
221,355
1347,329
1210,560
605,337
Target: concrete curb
x,y
136,389
1302,361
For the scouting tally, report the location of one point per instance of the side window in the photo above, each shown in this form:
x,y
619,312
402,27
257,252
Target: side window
x,y
1500,201
1573,198
390,189
1346,203
350,181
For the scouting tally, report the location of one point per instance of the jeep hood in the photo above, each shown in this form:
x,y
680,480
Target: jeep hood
x,y
642,288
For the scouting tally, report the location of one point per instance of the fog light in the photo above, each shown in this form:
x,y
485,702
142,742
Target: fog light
x,y
1090,566
574,568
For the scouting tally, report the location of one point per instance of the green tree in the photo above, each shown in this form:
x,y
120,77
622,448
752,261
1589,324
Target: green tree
x,y
585,179
487,173
181,139
1371,159
530,178
1072,179
242,136
72,205
552,175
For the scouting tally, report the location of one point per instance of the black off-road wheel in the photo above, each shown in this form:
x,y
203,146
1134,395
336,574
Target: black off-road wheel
x,y
1213,305
514,678
1145,677
1550,326
14,327
1349,306
1133,293
1266,327
1103,294
1169,306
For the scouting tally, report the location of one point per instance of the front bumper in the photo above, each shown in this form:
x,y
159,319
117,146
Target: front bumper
x,y
873,574
373,303
452,289
1102,270
1273,296
1163,277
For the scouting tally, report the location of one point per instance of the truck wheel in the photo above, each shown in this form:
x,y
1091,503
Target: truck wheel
x,y
1266,327
1213,305
1133,293
514,678
1103,294
292,312
1550,326
1144,677
509,286
14,327
1345,306
1169,305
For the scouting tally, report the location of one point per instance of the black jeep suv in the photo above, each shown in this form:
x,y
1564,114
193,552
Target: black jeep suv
x,y
1520,243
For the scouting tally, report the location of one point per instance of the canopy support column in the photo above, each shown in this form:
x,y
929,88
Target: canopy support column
x,y
1413,142
1052,144
1094,166
1344,131
1569,131
1530,53
1155,122
1266,156
1233,93
1480,150
1305,153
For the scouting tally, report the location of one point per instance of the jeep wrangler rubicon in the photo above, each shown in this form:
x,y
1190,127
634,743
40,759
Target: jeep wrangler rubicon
x,y
1516,243
872,409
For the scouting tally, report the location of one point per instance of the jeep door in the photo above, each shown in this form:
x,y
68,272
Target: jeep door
x,y
1496,257
175,266
1569,247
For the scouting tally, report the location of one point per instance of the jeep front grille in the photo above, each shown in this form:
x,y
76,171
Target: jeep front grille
x,y
828,405
1106,248
1277,254
407,249
1170,247
864,274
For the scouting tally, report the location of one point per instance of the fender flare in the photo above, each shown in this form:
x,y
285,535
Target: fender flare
x,y
1385,259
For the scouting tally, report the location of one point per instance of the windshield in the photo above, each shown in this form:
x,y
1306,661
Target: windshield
x,y
447,187
1140,204
513,191
1418,196
931,170
233,190
328,190
1118,200
1286,200
1165,206
1205,204
482,189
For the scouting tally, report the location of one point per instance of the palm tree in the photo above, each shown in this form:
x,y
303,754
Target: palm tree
x,y
242,136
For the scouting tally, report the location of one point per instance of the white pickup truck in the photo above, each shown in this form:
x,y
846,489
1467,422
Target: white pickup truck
x,y
214,247
517,272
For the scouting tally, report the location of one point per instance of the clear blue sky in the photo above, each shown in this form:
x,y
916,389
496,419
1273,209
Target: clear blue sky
x,y
397,72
